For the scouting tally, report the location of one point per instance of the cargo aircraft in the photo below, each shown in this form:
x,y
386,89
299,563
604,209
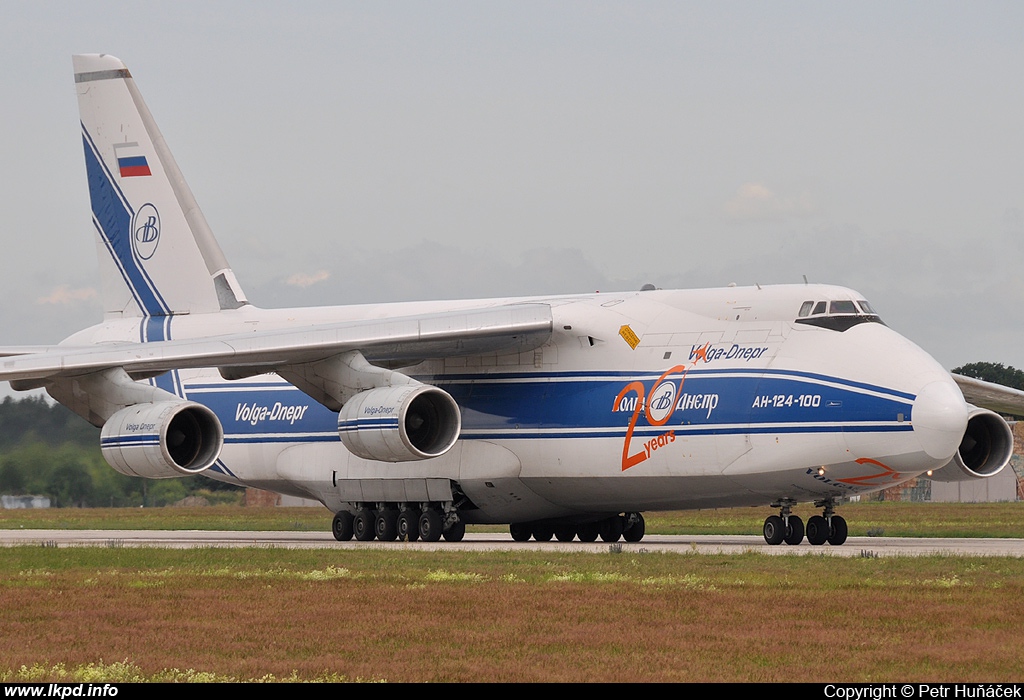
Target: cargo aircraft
x,y
565,416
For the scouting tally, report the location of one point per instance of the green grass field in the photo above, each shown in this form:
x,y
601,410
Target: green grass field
x,y
396,614
401,615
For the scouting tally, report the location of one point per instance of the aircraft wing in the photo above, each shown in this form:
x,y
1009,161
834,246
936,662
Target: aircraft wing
x,y
515,328
994,397
11,350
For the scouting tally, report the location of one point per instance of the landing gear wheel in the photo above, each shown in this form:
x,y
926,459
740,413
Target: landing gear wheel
x,y
520,531
341,527
408,525
610,528
430,525
837,531
587,532
386,525
543,533
817,530
794,530
636,532
363,525
565,534
774,529
456,532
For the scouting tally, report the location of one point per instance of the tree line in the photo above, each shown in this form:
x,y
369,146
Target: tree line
x,y
993,372
47,450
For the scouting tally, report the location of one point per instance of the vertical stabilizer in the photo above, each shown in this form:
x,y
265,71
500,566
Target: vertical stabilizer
x,y
158,257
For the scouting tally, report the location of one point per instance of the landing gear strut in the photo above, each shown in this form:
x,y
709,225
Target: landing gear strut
x,y
406,522
789,528
836,530
784,527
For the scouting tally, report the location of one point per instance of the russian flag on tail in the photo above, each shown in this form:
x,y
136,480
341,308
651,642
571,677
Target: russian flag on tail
x,y
134,166
130,162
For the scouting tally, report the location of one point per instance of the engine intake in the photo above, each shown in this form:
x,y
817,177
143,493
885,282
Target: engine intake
x,y
400,423
984,451
162,440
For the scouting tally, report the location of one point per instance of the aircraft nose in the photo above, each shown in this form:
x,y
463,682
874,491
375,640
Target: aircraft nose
x,y
939,417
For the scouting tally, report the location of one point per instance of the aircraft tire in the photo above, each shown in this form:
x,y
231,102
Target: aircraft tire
x,y
408,526
341,526
543,533
456,532
565,534
774,530
587,532
363,526
386,525
837,531
430,525
611,528
817,530
794,530
636,532
520,531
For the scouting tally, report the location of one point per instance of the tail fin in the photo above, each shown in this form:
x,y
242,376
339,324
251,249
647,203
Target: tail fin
x,y
158,256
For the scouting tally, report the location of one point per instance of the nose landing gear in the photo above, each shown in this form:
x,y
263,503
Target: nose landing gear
x,y
784,527
789,528
836,531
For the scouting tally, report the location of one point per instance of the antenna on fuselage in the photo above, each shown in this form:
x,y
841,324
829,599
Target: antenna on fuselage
x,y
805,280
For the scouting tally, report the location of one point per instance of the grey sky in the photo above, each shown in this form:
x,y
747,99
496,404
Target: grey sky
x,y
355,152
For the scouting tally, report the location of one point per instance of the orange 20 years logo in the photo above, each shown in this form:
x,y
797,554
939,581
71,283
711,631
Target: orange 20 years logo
x,y
658,408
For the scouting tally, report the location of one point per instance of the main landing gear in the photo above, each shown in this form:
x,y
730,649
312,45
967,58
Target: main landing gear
x,y
789,528
629,527
406,522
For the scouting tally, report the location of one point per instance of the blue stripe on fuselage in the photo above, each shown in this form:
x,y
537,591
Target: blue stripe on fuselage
x,y
627,376
584,405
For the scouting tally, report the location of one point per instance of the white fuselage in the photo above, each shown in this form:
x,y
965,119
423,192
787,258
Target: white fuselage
x,y
639,401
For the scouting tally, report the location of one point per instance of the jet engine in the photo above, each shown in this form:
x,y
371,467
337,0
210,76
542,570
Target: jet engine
x,y
400,423
984,451
162,440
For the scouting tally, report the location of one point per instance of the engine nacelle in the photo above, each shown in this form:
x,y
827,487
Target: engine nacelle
x,y
400,423
984,451
162,440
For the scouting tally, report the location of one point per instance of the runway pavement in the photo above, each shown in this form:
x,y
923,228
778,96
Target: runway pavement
x,y
476,542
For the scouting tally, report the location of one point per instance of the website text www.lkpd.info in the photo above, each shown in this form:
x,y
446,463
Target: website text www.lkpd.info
x,y
61,690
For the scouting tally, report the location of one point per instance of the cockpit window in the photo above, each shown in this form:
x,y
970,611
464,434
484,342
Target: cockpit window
x,y
842,307
843,314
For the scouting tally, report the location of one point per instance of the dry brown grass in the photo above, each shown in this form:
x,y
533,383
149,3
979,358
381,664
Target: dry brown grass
x,y
530,616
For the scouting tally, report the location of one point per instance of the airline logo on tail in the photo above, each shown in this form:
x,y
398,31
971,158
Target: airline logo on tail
x,y
146,231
